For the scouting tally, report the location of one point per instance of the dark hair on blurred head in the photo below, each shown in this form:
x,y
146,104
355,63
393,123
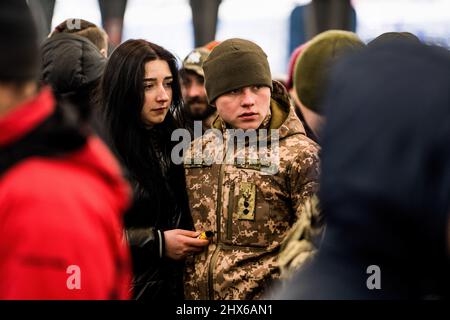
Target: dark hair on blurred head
x,y
389,37
84,29
19,49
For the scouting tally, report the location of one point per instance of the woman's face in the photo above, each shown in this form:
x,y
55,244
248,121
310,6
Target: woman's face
x,y
157,92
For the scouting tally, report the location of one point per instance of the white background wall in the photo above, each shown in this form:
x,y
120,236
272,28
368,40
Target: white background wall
x,y
168,22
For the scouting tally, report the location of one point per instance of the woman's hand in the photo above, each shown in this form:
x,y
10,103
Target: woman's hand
x,y
180,243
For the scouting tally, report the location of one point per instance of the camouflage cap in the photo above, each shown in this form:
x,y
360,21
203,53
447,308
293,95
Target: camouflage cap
x,y
194,60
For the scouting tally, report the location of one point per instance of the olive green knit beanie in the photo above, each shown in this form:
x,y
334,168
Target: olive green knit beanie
x,y
313,67
233,64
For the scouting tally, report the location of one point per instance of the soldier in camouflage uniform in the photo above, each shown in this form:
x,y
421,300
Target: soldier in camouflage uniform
x,y
249,205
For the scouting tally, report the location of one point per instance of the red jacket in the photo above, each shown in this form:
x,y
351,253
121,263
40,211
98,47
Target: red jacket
x,y
61,218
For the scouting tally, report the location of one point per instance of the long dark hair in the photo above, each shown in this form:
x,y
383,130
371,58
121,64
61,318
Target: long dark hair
x,y
122,91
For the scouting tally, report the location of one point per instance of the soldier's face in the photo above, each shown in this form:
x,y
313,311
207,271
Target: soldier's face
x,y
244,108
157,92
194,95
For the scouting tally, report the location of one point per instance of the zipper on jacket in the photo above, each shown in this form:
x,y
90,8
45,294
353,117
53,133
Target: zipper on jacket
x,y
230,212
213,260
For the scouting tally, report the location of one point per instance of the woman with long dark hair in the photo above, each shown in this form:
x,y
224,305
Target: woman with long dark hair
x,y
141,94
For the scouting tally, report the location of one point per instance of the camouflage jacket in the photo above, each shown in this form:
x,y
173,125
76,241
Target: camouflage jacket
x,y
303,240
249,206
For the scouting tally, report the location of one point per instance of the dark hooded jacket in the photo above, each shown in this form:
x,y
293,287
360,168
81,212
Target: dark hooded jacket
x,y
72,65
385,184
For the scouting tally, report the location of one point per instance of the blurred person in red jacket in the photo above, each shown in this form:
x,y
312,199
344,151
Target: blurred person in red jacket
x,y
62,195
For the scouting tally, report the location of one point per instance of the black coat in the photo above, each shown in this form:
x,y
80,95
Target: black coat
x,y
155,275
72,65
385,185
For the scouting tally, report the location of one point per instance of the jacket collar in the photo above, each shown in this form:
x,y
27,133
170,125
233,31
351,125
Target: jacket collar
x,y
25,117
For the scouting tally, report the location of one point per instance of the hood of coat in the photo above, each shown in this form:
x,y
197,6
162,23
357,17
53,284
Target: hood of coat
x,y
70,63
282,114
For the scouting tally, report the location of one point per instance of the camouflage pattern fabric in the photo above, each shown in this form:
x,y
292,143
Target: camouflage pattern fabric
x,y
249,210
303,240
